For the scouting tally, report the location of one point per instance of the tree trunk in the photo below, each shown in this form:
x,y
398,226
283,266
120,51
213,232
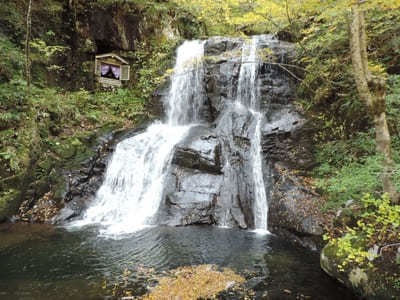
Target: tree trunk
x,y
372,92
27,47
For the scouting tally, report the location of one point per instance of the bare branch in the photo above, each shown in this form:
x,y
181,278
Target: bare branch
x,y
387,246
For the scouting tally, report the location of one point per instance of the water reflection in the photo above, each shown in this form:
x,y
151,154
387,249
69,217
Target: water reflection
x,y
75,265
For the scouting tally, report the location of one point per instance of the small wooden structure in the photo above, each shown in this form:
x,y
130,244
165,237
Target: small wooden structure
x,y
111,70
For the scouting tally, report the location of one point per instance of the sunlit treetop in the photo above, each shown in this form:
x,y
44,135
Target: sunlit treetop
x,y
238,16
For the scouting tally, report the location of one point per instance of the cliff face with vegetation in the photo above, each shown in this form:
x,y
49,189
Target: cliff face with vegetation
x,y
55,127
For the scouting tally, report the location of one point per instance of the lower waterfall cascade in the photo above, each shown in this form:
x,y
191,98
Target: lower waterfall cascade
x,y
135,176
193,168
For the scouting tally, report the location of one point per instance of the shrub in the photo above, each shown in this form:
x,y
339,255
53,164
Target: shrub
x,y
377,229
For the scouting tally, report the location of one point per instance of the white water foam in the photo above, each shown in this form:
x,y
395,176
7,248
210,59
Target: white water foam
x,y
247,95
133,187
134,181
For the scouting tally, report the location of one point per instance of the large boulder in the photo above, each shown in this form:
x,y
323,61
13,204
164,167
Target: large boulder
x,y
287,146
370,283
199,189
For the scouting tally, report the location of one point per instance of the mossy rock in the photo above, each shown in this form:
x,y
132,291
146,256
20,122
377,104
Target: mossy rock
x,y
66,151
60,190
366,283
69,148
9,203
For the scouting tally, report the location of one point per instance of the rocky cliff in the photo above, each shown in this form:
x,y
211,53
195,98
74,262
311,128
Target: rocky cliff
x,y
66,35
200,189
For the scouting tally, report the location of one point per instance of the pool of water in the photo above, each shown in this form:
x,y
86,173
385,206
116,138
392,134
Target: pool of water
x,y
45,262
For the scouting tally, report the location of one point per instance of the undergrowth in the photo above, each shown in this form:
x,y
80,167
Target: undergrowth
x,y
348,168
376,232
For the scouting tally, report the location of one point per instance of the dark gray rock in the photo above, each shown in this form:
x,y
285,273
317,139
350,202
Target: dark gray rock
x,y
199,188
81,184
66,213
201,151
292,205
210,180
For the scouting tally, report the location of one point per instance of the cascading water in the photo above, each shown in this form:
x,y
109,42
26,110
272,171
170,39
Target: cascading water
x,y
260,199
247,96
186,95
134,180
144,185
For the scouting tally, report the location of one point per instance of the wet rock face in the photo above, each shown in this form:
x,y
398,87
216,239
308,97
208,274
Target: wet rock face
x,y
82,184
199,190
210,179
201,151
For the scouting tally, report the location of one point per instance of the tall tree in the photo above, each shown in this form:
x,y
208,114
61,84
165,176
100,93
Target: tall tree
x,y
371,89
27,46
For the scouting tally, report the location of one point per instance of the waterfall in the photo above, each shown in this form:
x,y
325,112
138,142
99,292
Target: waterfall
x,y
260,199
247,96
247,88
186,95
133,186
143,169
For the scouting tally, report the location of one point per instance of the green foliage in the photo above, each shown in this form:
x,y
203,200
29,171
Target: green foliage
x,y
7,204
12,20
396,281
349,167
64,121
48,53
150,62
328,89
352,180
11,60
393,108
123,102
378,225
338,153
235,17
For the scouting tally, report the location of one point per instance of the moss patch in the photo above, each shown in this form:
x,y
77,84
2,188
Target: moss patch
x,y
190,283
8,202
372,283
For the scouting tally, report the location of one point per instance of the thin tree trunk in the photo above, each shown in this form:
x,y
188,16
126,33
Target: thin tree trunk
x,y
372,92
27,47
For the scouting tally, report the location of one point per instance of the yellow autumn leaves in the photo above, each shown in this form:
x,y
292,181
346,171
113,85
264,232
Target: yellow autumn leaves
x,y
238,16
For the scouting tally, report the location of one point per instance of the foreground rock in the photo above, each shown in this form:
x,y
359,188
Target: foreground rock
x,y
201,282
371,283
